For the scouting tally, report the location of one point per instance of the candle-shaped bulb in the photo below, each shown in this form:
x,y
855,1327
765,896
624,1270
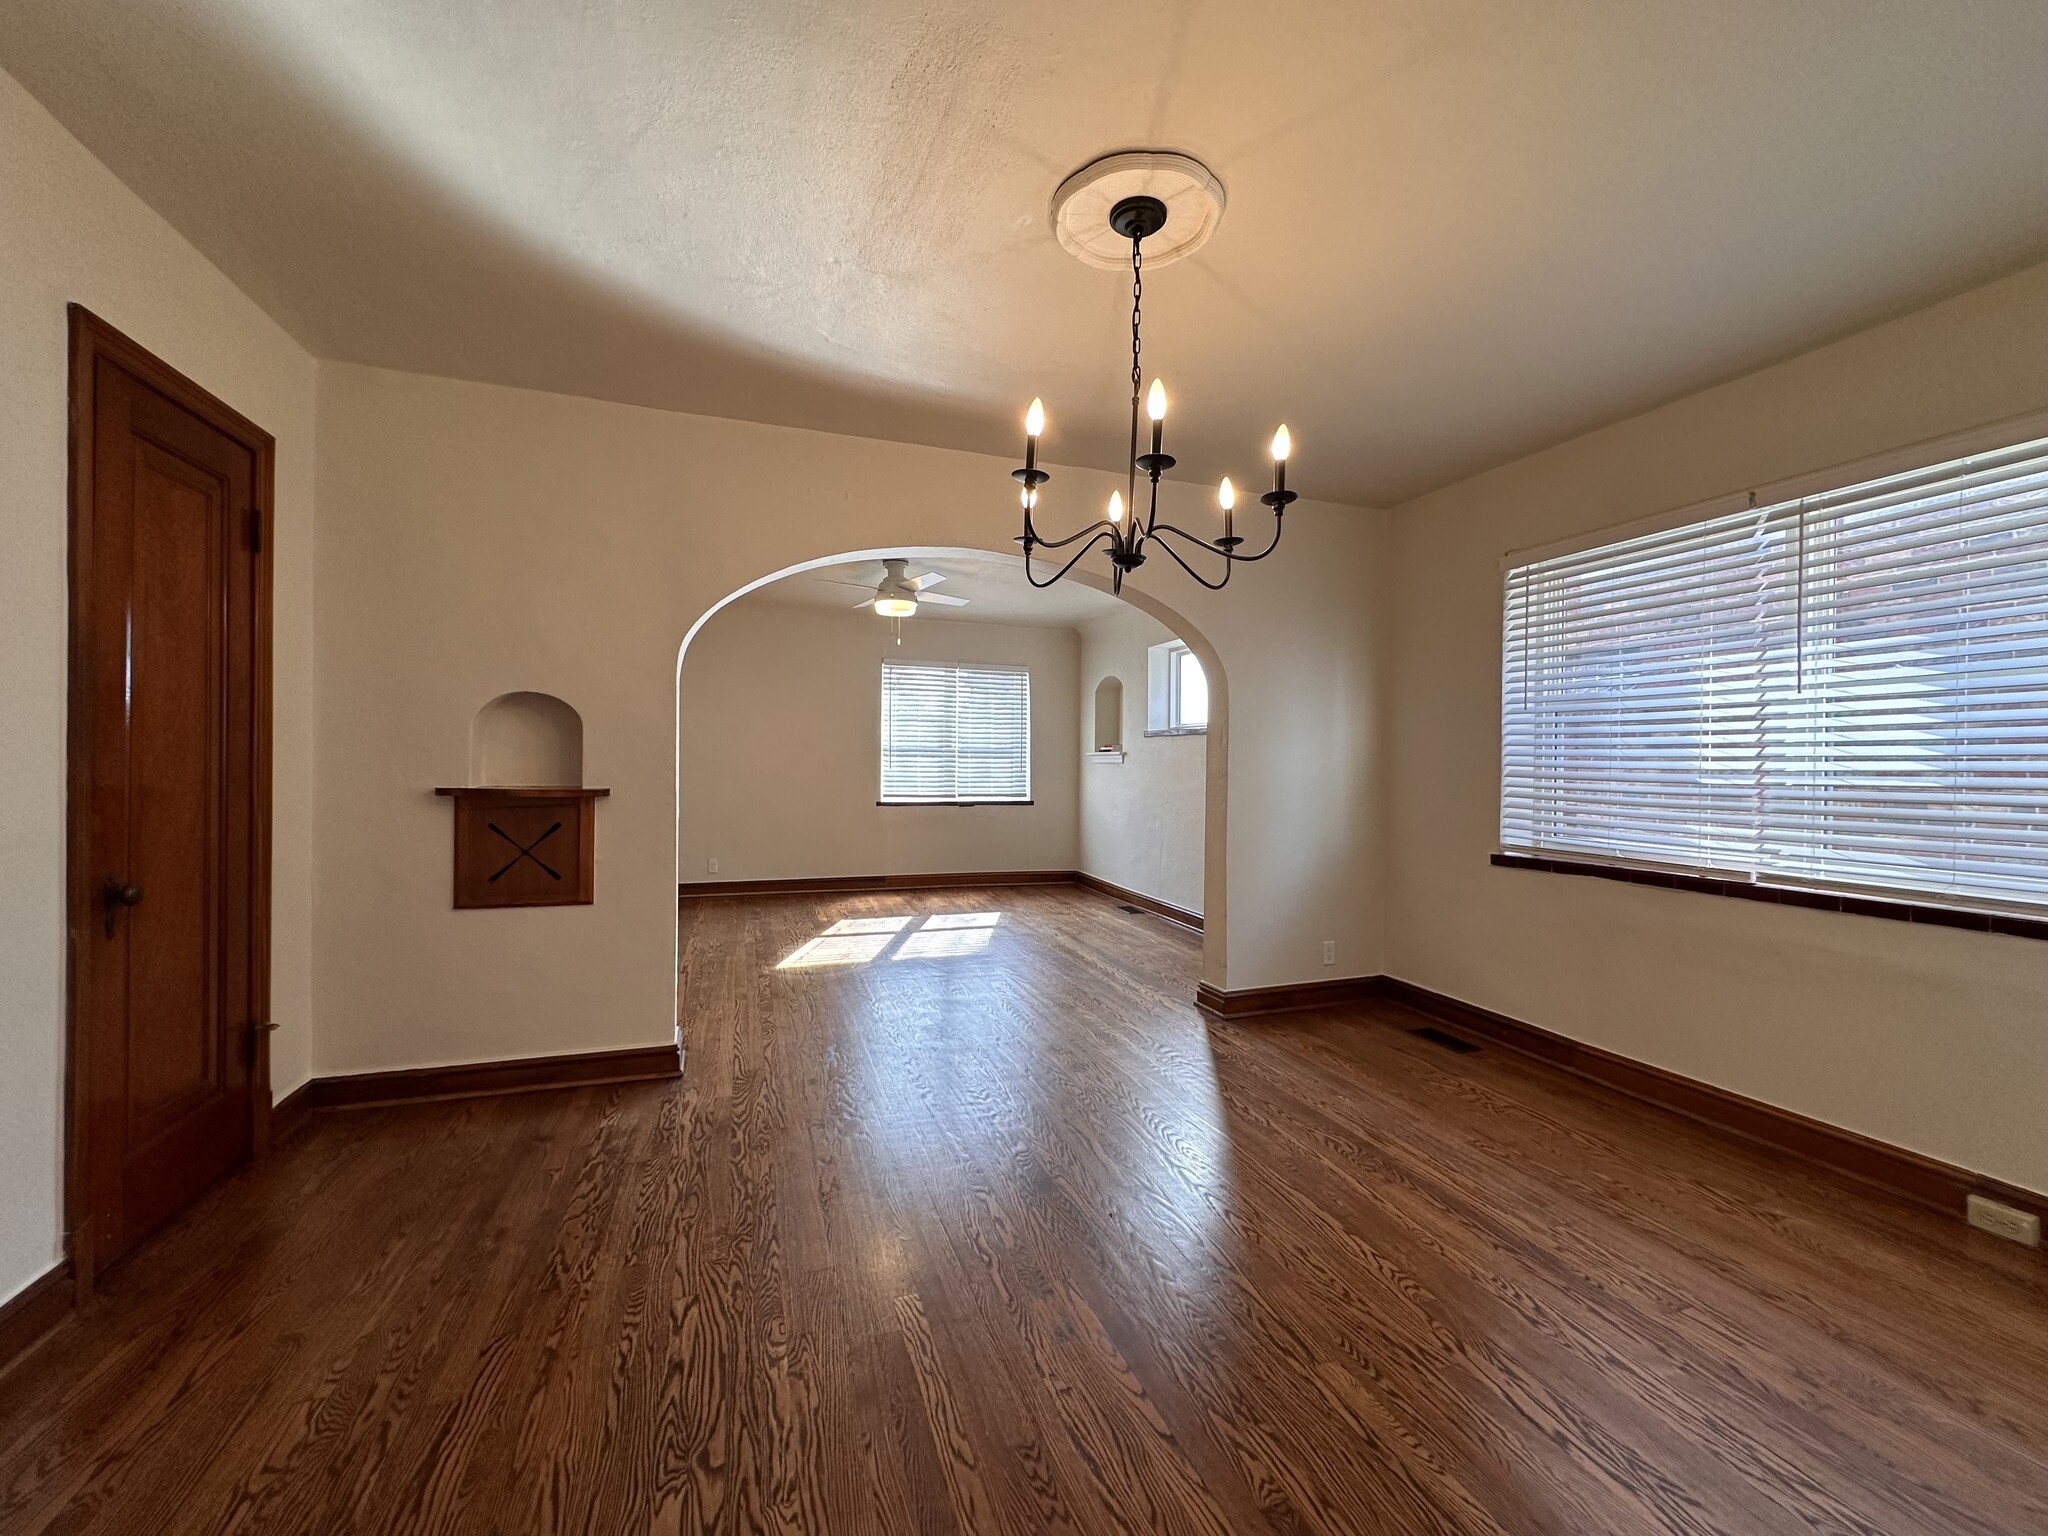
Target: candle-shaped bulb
x,y
1116,507
1155,403
1029,497
1034,423
1282,446
1226,494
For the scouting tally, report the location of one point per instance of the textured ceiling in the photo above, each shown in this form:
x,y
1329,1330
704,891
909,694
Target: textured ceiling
x,y
1458,229
995,590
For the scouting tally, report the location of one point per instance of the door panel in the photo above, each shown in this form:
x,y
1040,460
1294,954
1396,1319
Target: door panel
x,y
174,792
168,984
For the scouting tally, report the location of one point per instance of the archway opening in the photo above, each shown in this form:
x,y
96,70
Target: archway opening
x,y
750,727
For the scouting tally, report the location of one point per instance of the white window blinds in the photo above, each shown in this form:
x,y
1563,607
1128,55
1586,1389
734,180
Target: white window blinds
x,y
1850,689
955,733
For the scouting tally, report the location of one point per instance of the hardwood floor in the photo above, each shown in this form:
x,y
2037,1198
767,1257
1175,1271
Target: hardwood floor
x,y
952,1225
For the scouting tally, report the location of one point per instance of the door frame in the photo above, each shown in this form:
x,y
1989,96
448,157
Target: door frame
x,y
92,339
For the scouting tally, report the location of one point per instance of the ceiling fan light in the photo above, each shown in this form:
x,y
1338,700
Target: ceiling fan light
x,y
896,607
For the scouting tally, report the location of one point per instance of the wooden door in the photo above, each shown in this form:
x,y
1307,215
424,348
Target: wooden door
x,y
169,869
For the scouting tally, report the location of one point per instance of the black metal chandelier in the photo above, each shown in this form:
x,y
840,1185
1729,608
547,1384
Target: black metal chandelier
x,y
1121,531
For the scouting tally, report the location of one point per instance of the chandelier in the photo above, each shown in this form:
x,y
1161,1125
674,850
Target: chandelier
x,y
1125,535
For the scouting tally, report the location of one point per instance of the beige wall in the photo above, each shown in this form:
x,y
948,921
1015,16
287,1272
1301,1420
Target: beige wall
x,y
780,747
1141,819
70,232
475,540
1929,1038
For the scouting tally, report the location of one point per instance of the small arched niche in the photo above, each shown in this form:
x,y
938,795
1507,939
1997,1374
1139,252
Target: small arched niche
x,y
1109,715
526,739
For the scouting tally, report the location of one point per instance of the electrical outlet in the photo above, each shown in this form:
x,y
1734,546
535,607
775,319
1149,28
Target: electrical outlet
x,y
2002,1220
711,866
1329,951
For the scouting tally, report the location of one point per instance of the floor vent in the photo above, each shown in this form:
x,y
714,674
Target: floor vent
x,y
1448,1042
1121,907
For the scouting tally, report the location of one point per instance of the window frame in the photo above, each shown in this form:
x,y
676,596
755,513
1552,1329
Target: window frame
x,y
1163,689
2020,915
956,801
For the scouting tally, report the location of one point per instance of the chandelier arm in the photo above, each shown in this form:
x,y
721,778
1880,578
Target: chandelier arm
x,y
1278,525
1100,530
1218,549
1167,545
1100,525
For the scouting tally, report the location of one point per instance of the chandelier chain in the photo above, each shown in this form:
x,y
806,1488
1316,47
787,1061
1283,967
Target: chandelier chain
x,y
1137,313
1137,366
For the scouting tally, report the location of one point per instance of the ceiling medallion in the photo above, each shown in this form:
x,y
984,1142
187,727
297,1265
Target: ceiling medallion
x,y
1104,214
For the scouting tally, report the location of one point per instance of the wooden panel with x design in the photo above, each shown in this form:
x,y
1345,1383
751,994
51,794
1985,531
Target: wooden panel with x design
x,y
524,847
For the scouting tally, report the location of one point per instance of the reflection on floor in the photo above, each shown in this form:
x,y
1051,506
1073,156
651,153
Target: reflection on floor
x,y
1019,1242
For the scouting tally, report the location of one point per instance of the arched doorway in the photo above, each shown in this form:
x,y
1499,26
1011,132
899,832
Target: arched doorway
x,y
1214,799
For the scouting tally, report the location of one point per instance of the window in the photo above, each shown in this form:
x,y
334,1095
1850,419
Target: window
x,y
1849,689
1177,692
955,735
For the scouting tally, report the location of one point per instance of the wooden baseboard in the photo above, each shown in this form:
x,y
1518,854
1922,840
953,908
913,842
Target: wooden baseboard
x,y
1248,1002
33,1311
291,1114
827,884
481,1079
1152,904
1924,1180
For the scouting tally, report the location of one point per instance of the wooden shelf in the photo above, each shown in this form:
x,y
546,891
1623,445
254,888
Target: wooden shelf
x,y
522,792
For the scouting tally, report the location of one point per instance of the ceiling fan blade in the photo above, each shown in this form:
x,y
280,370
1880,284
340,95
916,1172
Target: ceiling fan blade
x,y
865,586
928,580
934,597
866,602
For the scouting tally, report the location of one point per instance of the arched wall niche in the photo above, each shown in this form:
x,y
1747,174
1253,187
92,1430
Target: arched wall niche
x,y
1109,714
526,739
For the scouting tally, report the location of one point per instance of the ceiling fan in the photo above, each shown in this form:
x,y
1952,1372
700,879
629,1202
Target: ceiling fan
x,y
899,593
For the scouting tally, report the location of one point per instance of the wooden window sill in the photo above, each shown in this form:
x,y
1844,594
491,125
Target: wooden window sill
x,y
1181,730
949,804
1897,909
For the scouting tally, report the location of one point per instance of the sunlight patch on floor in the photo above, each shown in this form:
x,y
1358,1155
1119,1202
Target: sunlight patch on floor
x,y
943,944
869,925
836,949
859,940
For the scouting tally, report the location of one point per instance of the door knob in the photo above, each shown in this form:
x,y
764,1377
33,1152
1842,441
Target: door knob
x,y
116,896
